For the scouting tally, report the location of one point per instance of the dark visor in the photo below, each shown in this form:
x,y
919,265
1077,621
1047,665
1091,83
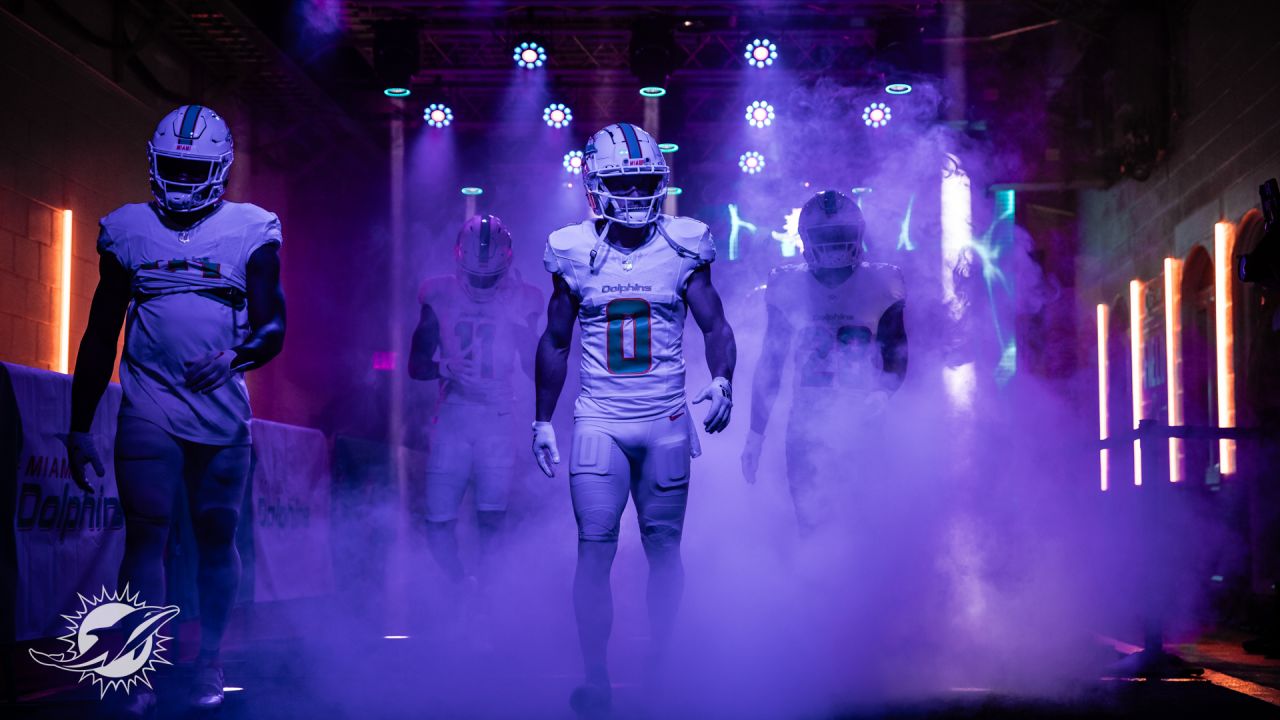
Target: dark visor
x,y
183,170
834,234
642,184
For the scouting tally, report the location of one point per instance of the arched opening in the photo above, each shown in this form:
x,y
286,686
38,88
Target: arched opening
x,y
1199,378
1119,392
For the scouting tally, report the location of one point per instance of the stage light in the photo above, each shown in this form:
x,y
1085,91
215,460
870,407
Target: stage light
x,y
668,147
761,53
395,637
675,191
876,115
529,55
232,688
395,56
396,92
759,114
653,54
653,91
557,115
573,161
897,88
751,162
438,115
470,190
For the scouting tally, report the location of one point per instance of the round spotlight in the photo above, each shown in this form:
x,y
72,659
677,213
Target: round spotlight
x,y
653,91
557,115
396,92
876,115
751,162
573,161
438,115
668,147
759,114
529,55
761,53
675,191
469,190
897,88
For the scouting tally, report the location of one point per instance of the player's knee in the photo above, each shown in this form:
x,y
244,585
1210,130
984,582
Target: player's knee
x,y
598,526
216,527
657,536
146,532
437,527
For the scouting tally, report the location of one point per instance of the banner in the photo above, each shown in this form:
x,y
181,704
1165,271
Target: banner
x,y
63,540
290,501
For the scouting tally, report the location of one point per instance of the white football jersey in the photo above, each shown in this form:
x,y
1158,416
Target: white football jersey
x,y
188,302
483,332
631,314
834,328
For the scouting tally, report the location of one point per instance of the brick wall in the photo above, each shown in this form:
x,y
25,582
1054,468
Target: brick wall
x,y
1226,143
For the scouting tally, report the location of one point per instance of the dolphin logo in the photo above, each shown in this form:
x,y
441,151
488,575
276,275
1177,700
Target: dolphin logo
x,y
114,640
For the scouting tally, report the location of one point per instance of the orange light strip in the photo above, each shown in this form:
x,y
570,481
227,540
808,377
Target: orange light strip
x,y
1173,358
1104,389
1135,370
64,297
1224,241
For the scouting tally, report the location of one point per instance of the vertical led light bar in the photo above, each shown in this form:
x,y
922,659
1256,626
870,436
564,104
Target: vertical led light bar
x,y
64,297
1224,241
957,234
1173,358
1135,369
1104,389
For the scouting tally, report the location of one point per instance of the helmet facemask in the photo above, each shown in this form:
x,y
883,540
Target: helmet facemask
x,y
631,198
833,246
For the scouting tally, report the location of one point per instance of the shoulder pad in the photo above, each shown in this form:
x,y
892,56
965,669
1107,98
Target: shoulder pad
x,y
433,289
691,235
572,237
126,214
780,279
890,277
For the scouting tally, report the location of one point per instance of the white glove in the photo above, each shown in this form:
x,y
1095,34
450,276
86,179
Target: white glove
x,y
751,456
544,447
720,393
81,451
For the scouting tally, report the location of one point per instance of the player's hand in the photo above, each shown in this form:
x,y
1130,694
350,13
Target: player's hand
x,y
720,393
544,447
460,370
210,372
875,403
751,456
80,452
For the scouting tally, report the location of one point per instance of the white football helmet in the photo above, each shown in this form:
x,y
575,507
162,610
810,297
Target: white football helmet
x,y
626,175
483,252
190,156
831,227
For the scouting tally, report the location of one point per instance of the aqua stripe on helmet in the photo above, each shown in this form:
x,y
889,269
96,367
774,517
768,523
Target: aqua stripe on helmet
x,y
633,142
186,132
485,238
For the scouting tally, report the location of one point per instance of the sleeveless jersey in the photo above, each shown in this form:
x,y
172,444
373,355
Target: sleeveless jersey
x,y
631,314
483,332
834,350
188,302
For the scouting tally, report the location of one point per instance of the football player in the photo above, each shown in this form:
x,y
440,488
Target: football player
x,y
198,279
627,277
478,320
842,319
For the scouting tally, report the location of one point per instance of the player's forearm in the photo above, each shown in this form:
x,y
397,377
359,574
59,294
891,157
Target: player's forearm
x,y
263,344
550,368
891,336
764,391
94,362
722,351
423,369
